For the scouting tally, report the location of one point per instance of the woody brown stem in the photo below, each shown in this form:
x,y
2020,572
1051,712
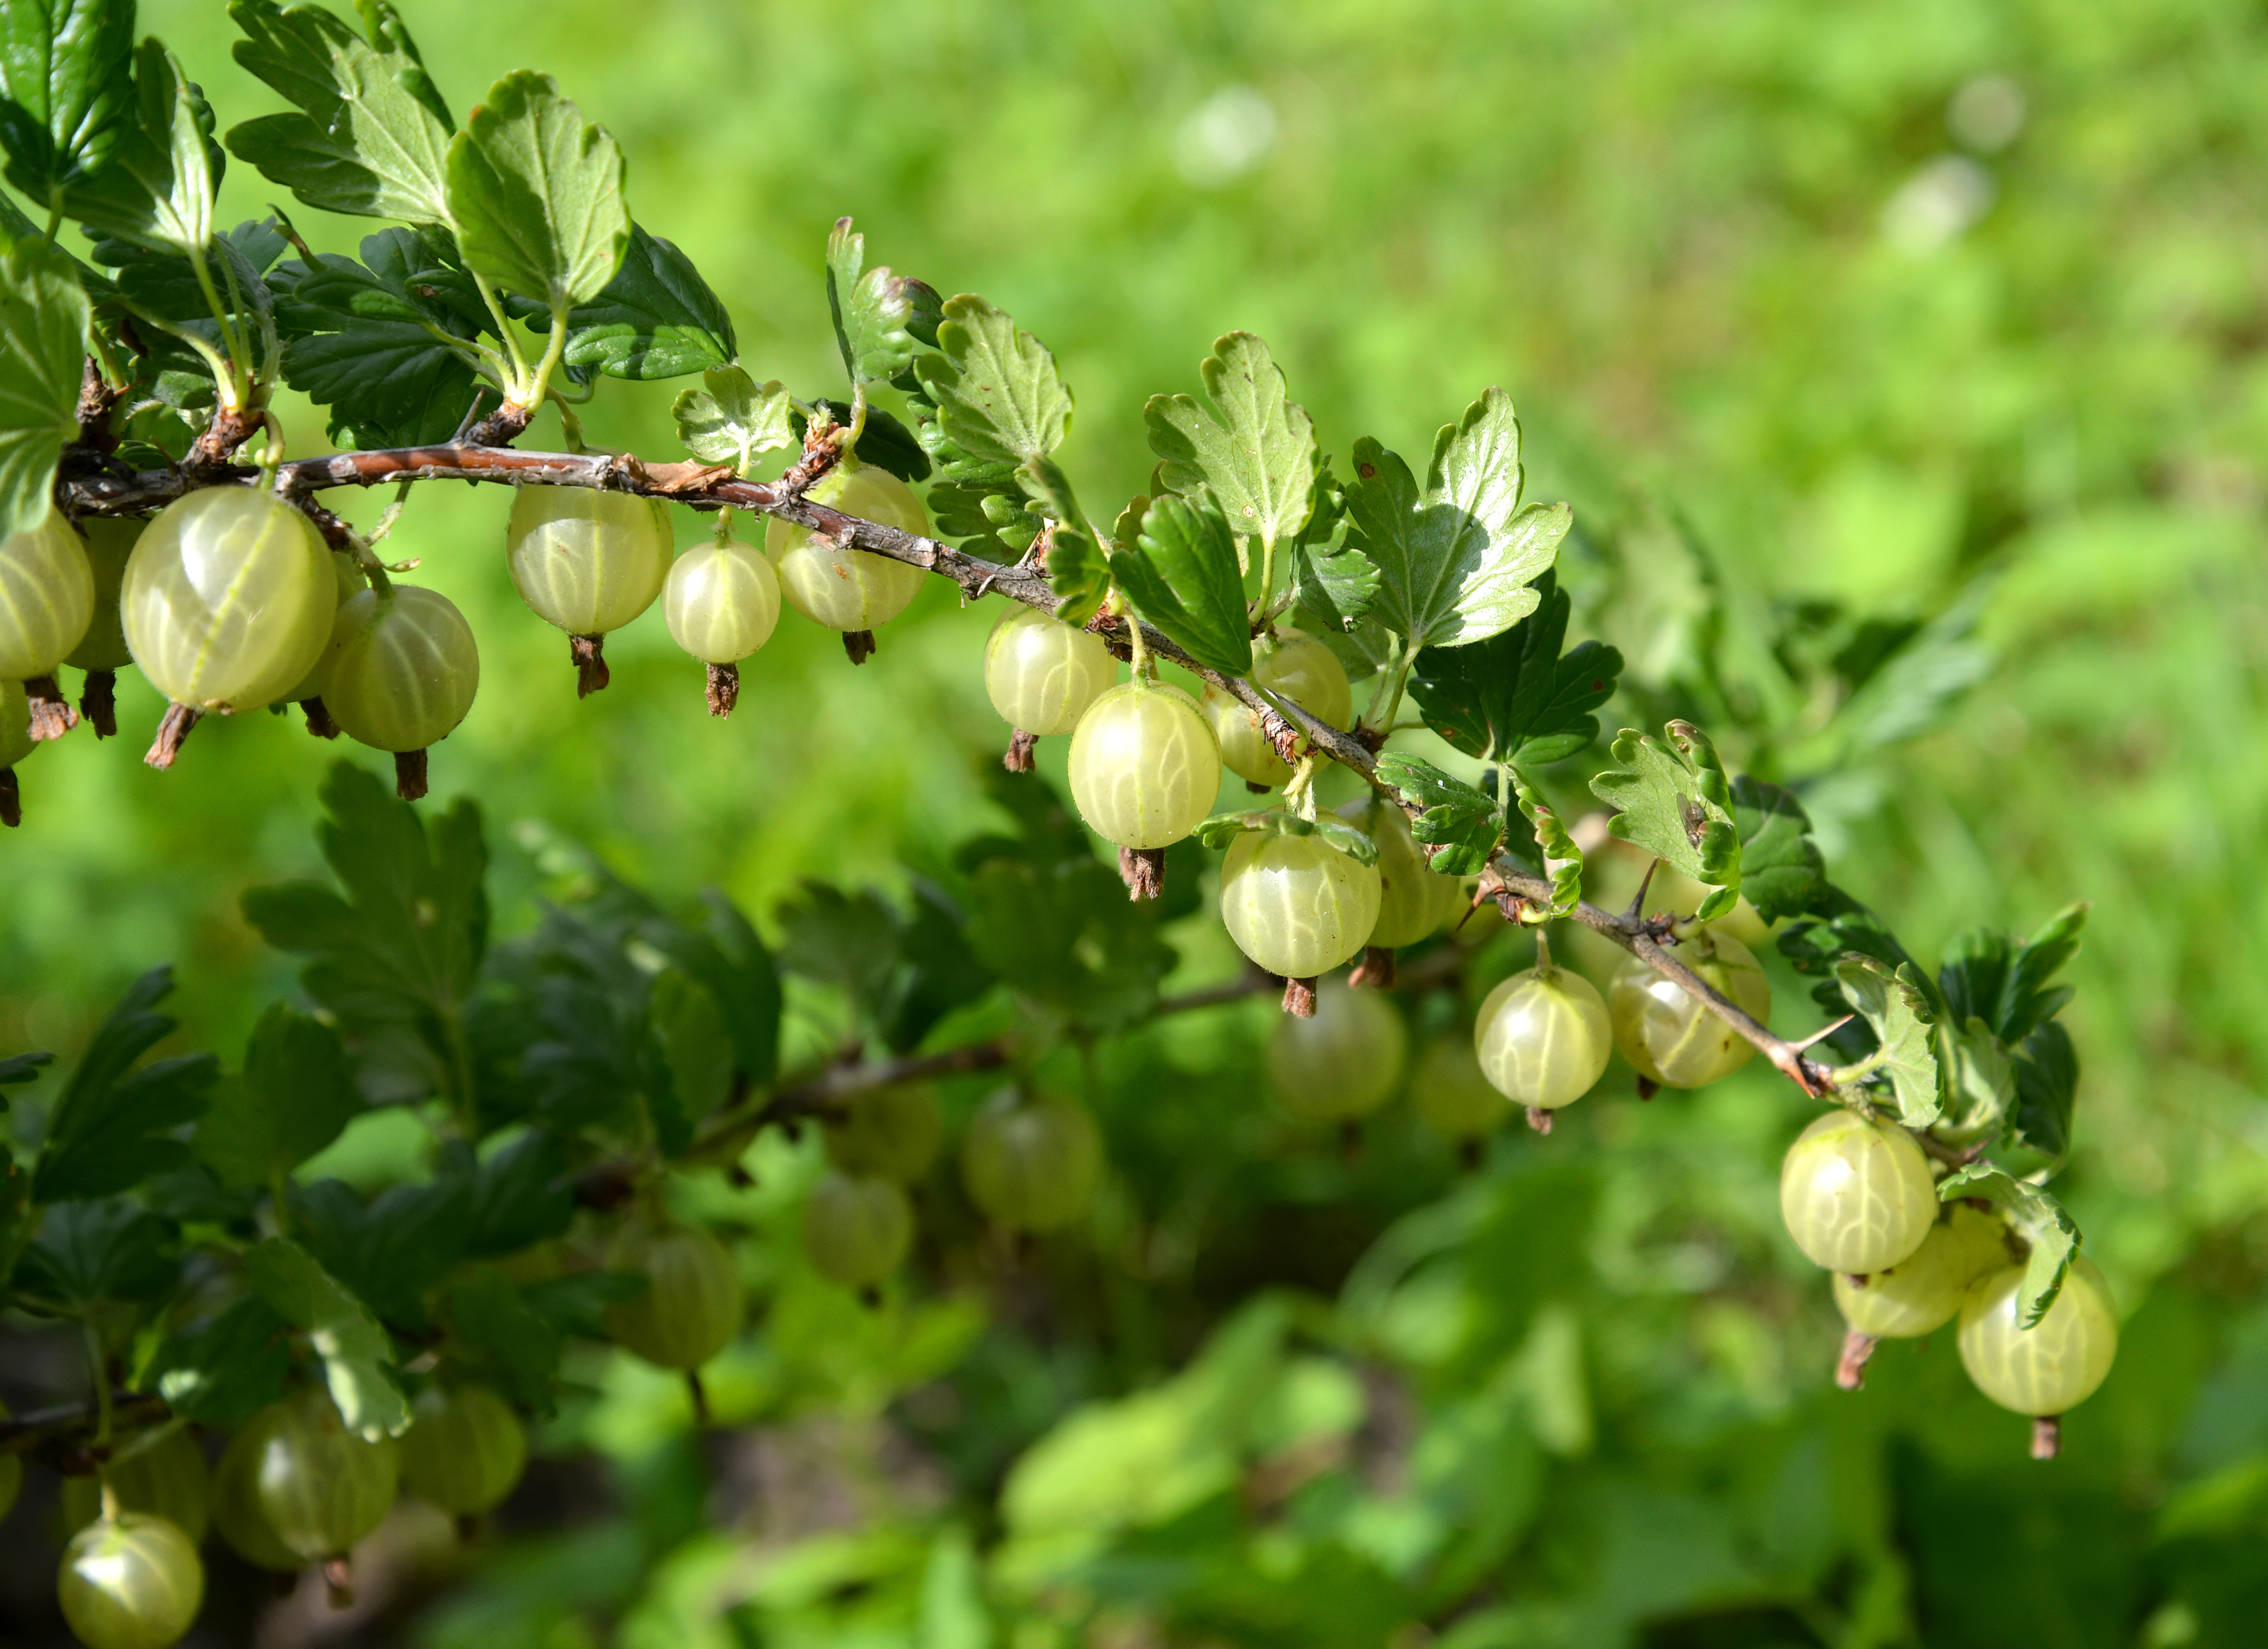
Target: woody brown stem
x,y
409,775
589,654
1376,968
173,728
1018,759
51,713
1143,870
724,688
98,702
1850,1367
319,717
1299,997
859,644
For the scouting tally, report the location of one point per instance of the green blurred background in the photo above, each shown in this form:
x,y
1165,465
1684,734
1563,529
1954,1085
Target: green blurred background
x,y
1889,303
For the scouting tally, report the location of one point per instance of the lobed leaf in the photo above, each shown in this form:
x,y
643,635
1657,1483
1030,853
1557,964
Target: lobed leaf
x,y
43,323
295,1096
2046,1068
66,91
1222,829
113,1124
1514,694
2038,1218
656,319
495,1330
1462,823
535,193
1555,852
998,398
1181,574
371,135
1248,443
878,317
1989,976
356,1354
392,1251
1782,870
89,1252
225,1371
383,349
1457,562
730,419
1674,801
157,189
1896,1005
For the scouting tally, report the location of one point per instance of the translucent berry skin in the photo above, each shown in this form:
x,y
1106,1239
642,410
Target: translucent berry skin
x,y
889,1133
1672,1038
1857,1195
1449,1091
585,560
849,589
1921,1292
167,1479
403,668
109,541
16,741
1143,767
464,1451
228,599
1297,667
1342,1063
2055,1365
47,598
1542,1037
320,1487
134,1583
721,601
1296,905
1042,674
235,1501
855,1228
1031,1166
693,1305
1412,900
350,584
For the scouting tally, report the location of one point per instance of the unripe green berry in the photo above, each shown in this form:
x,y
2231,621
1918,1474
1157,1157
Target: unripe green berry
x,y
1413,898
1295,904
849,589
1921,1292
693,1303
891,1133
1143,767
2053,1367
856,1229
320,1486
134,1582
46,597
464,1451
1042,674
1296,667
1031,1166
1450,1093
1857,1195
1543,1038
228,599
586,560
721,601
16,740
1671,1037
110,542
235,1501
1342,1062
403,668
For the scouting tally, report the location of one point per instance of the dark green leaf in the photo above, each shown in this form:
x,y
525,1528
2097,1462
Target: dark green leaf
x,y
157,189
1988,975
730,419
494,1331
1064,935
536,194
1462,823
371,138
937,976
1333,582
392,1251
1246,443
521,1196
2047,1086
727,958
1674,801
995,386
1514,695
1896,1006
43,321
1782,870
874,310
356,1354
21,1068
1838,926
296,1095
1181,575
1456,563
2038,1218
839,938
577,1304
66,89
111,1127
223,1372
373,343
656,319
89,1252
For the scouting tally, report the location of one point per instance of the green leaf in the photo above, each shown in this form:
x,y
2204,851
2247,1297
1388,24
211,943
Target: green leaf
x,y
1556,851
66,89
356,1354
2047,1086
1514,695
1181,574
849,940
1464,823
1222,829
112,1126
21,1068
521,1196
1333,583
1672,800
392,1251
1064,935
1896,1007
727,958
89,1252
885,443
157,187
226,1370
1078,572
1990,976
1782,871
729,419
43,321
297,1094
536,194
998,398
373,343
371,138
1978,1079
1248,442
2037,1217
656,319
1456,563
938,974
493,1329
876,313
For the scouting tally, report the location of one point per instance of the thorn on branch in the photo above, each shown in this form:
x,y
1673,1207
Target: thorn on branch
x,y
859,644
320,724
1850,1367
1638,905
2047,1436
1299,997
1539,1119
409,775
98,702
1143,870
173,728
589,654
724,688
1018,759
1376,968
51,713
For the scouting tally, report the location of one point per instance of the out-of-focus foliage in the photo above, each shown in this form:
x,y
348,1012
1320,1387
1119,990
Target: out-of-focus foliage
x,y
1925,333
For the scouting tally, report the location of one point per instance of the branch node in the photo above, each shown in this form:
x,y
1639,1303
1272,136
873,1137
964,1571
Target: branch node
x,y
724,688
589,654
1850,1367
98,702
859,644
320,725
173,728
409,775
1143,870
1019,758
51,713
1299,997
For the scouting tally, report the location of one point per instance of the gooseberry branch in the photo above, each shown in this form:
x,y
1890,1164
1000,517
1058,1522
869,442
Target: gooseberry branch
x,y
707,486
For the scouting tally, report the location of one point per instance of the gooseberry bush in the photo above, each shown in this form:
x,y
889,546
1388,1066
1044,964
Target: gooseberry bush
x,y
281,1358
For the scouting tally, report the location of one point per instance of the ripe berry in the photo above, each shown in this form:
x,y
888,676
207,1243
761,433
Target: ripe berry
x,y
1413,899
47,598
1295,904
855,1228
403,668
890,1133
1670,1037
228,599
1343,1061
1297,668
464,1450
1031,1166
319,1486
349,577
166,1479
1143,767
110,542
849,589
1541,1037
1920,1293
132,1582
586,560
1042,674
2053,1367
1857,1195
693,1303
235,1502
721,601
1450,1092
